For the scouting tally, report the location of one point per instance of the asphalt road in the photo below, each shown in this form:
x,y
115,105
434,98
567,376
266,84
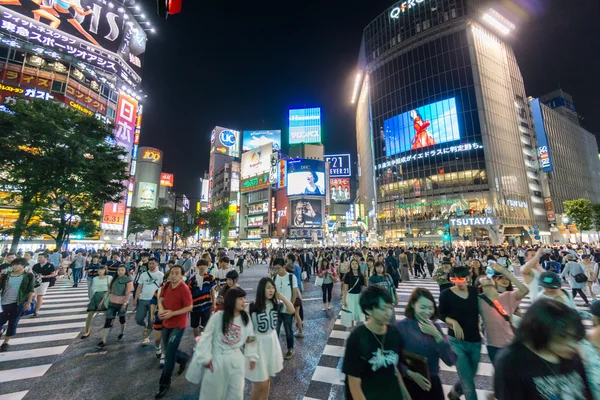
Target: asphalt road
x,y
53,363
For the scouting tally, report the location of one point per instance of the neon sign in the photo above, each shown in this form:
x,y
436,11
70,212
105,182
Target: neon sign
x,y
406,5
431,153
472,221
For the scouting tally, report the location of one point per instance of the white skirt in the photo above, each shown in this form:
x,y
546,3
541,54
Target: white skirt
x,y
353,305
270,360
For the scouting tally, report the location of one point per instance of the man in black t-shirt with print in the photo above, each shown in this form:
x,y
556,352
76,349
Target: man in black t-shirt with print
x,y
373,353
459,308
47,271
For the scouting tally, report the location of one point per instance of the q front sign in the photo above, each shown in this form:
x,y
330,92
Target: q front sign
x,y
472,221
405,5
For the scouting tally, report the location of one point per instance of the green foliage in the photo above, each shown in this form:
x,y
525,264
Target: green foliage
x,y
580,213
596,216
217,221
48,151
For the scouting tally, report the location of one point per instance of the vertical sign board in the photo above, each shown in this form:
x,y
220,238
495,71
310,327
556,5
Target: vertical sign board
x,y
540,130
113,216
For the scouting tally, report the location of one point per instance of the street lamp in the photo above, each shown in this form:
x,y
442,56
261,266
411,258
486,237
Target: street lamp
x,y
61,201
283,234
165,222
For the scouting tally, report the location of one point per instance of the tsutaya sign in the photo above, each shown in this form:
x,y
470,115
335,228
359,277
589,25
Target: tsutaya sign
x,y
405,5
483,221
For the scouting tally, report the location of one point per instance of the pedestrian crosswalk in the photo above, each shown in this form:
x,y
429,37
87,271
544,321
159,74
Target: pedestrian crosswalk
x,y
328,381
40,341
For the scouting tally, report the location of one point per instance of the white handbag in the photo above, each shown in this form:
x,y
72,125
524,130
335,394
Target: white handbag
x,y
346,318
318,281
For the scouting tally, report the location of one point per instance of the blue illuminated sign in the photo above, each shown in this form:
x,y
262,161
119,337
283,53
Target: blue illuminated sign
x,y
228,138
422,127
305,125
254,139
540,130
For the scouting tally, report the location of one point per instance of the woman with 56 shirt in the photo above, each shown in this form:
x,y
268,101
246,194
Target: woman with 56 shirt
x,y
264,313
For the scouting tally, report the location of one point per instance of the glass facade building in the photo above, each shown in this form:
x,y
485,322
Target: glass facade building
x,y
443,128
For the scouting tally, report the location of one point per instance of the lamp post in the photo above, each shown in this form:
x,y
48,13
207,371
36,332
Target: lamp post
x,y
283,234
61,201
359,221
165,222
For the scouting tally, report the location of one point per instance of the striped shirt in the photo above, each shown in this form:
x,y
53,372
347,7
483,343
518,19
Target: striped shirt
x,y
201,295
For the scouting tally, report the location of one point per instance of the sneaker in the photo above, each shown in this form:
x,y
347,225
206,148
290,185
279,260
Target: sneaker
x,y
120,337
162,391
145,341
162,361
101,345
158,351
4,347
289,354
299,335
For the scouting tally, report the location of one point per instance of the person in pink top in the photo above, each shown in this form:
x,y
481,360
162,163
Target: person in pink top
x,y
496,309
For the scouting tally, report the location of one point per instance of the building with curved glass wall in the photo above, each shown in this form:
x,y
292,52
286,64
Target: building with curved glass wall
x,y
445,139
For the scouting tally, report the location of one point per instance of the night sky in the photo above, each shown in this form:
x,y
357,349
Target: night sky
x,y
242,65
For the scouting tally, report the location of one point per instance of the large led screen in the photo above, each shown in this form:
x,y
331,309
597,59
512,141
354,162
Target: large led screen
x,y
305,125
340,190
254,139
305,177
257,161
307,213
422,127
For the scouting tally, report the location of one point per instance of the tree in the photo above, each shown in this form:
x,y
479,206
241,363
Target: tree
x,y
579,212
217,221
48,152
596,216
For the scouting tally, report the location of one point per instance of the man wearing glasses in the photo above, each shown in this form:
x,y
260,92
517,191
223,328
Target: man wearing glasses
x,y
459,308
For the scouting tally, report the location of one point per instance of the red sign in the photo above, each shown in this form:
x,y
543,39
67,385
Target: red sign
x,y
166,179
125,121
113,216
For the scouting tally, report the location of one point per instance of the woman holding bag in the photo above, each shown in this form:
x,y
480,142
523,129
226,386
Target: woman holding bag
x,y
119,290
354,281
327,275
218,362
98,290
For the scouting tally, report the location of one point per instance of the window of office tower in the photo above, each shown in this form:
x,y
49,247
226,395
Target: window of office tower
x,y
426,131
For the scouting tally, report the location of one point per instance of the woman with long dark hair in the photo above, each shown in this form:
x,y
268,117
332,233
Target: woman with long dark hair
x,y
118,293
425,338
219,349
477,270
264,312
354,281
327,272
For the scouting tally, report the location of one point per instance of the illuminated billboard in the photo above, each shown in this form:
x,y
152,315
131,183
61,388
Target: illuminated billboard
x,y
204,192
91,31
339,165
540,130
166,179
305,125
255,139
257,182
306,213
422,127
339,190
147,193
257,161
305,177
225,141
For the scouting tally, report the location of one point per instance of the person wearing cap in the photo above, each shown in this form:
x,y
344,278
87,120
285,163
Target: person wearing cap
x,y
496,309
442,275
572,269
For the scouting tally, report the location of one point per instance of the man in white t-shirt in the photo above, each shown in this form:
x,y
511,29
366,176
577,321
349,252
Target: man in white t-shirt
x,y
148,282
221,275
286,284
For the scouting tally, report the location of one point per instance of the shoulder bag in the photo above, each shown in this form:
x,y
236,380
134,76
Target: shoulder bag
x,y
502,312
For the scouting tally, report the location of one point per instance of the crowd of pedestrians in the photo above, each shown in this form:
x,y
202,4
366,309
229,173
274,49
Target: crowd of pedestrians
x,y
541,354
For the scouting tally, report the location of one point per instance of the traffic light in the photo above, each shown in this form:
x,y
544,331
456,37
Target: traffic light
x,y
471,212
446,237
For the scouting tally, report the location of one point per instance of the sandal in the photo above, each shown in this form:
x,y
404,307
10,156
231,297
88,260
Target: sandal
x,y
85,335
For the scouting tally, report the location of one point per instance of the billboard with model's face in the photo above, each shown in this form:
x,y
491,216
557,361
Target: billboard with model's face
x,y
432,124
257,161
305,177
305,125
255,139
306,213
98,32
225,141
340,190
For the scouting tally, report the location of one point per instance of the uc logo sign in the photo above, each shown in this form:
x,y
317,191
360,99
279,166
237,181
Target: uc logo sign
x,y
228,138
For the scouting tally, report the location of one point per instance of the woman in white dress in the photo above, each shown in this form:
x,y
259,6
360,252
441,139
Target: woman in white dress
x,y
219,349
353,283
263,313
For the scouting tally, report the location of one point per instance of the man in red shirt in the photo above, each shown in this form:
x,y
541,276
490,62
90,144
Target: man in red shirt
x,y
174,304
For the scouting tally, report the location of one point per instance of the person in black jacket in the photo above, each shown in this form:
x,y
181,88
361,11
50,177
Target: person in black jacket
x,y
391,265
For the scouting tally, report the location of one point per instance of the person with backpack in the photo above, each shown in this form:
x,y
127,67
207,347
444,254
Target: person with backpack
x,y
287,284
148,283
552,265
16,292
577,278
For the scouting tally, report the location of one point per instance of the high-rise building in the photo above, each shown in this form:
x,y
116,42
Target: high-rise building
x,y
148,168
446,146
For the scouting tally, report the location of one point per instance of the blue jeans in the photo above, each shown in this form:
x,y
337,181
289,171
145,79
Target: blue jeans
x,y
11,313
468,354
76,275
171,337
286,319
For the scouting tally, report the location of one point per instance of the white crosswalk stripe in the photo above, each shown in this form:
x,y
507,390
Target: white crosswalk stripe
x,y
40,341
485,371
